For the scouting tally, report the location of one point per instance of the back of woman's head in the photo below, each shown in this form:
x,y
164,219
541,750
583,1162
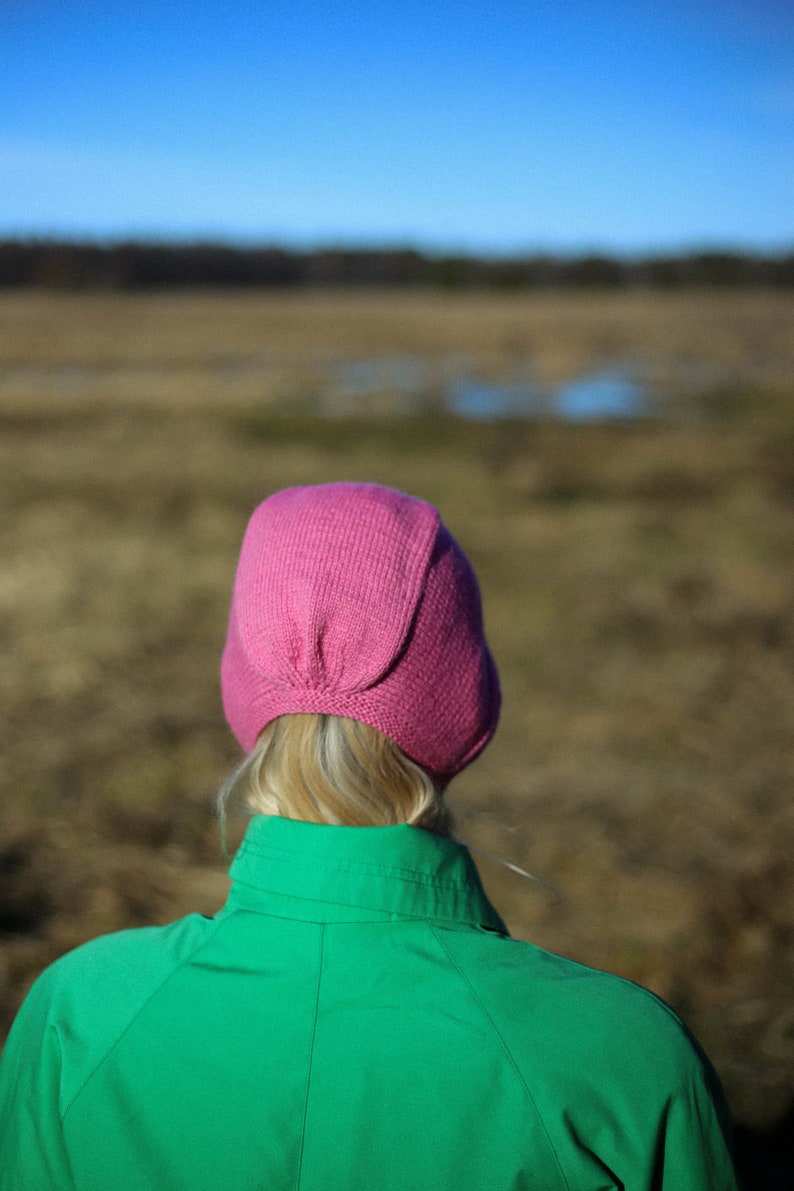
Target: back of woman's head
x,y
330,769
354,609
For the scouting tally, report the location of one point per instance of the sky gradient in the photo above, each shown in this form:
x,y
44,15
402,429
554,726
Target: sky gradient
x,y
487,125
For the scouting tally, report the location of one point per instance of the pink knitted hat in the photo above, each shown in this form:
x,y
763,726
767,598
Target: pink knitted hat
x,y
354,600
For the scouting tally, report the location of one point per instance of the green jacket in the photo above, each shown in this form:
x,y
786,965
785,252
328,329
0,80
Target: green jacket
x,y
355,1017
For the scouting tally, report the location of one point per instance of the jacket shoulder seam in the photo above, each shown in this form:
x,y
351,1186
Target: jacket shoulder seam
x,y
134,1017
503,1044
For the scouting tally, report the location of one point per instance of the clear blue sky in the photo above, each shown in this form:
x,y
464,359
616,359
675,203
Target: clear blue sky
x,y
484,125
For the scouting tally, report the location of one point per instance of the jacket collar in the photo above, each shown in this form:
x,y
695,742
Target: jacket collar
x,y
332,874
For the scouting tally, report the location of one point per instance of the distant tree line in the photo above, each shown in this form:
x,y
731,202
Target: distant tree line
x,y
69,265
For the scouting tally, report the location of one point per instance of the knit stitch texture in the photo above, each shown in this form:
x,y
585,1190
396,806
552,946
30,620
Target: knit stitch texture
x,y
355,600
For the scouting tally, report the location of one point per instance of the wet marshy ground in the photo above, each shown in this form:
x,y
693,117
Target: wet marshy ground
x,y
633,540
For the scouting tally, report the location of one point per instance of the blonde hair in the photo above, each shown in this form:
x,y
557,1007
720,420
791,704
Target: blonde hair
x,y
330,769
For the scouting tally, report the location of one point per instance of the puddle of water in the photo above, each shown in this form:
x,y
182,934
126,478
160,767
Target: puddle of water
x,y
480,402
402,384
602,395
408,384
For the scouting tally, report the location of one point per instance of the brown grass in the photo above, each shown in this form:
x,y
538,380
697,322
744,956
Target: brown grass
x,y
639,589
199,350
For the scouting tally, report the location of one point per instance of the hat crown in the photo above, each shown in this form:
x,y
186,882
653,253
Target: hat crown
x,y
333,576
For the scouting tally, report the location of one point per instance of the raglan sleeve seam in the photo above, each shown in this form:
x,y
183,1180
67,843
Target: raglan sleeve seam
x,y
116,1041
505,1048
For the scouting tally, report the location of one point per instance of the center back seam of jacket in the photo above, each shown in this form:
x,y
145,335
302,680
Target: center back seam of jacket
x,y
503,1044
311,1056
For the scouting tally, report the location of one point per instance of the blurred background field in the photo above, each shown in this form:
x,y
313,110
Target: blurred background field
x,y
638,577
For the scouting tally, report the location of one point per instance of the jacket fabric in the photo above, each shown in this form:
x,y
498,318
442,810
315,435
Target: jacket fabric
x,y
355,1017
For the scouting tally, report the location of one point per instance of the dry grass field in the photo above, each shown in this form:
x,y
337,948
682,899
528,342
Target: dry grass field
x,y
638,579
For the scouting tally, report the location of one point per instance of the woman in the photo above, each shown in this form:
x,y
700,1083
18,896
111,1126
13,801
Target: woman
x,y
357,1015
